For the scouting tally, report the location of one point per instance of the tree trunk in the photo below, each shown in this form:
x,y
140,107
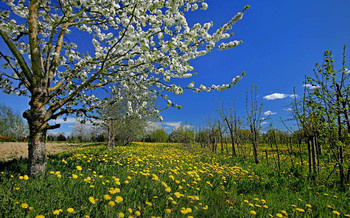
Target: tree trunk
x,y
255,147
36,151
37,118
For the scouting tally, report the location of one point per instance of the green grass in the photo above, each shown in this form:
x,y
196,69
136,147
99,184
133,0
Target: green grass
x,y
155,177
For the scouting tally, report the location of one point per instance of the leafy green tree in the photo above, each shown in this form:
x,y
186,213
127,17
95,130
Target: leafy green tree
x,y
159,135
183,134
328,103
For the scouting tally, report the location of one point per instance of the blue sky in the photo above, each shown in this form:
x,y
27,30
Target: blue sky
x,y
282,42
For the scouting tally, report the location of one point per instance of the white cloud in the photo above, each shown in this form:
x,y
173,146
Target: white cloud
x,y
293,95
288,109
279,96
275,96
267,113
309,86
172,124
347,70
263,123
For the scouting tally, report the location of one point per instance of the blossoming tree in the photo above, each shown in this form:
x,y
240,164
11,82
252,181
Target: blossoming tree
x,y
139,45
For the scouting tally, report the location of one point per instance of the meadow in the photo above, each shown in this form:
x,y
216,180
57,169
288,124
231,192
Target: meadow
x,y
167,180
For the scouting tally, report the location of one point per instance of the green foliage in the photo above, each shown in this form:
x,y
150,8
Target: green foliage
x,y
158,135
182,134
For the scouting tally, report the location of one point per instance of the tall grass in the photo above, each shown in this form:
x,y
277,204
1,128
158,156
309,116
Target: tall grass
x,y
163,180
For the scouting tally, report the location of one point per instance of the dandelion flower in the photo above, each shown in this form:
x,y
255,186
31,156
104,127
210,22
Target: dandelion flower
x,y
118,199
253,212
279,215
308,205
148,203
137,213
168,189
121,215
24,205
167,211
336,212
177,194
107,197
300,210
111,203
92,200
57,212
25,177
70,210
79,168
205,207
40,216
74,176
114,190
130,210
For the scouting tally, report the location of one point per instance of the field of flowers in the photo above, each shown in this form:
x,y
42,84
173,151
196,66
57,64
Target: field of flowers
x,y
162,180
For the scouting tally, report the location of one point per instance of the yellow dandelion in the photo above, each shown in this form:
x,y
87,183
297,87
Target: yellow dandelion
x,y
57,212
168,189
25,177
92,200
74,176
265,206
111,203
107,197
70,210
137,213
308,205
284,212
114,190
148,203
24,205
205,207
279,215
300,210
40,216
79,168
177,194
130,210
121,215
253,212
118,199
336,212
183,210
167,211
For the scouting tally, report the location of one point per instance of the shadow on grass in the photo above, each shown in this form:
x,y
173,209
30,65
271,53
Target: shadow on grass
x,y
14,166
19,165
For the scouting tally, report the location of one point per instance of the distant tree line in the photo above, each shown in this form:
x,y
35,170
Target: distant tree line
x,y
12,126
